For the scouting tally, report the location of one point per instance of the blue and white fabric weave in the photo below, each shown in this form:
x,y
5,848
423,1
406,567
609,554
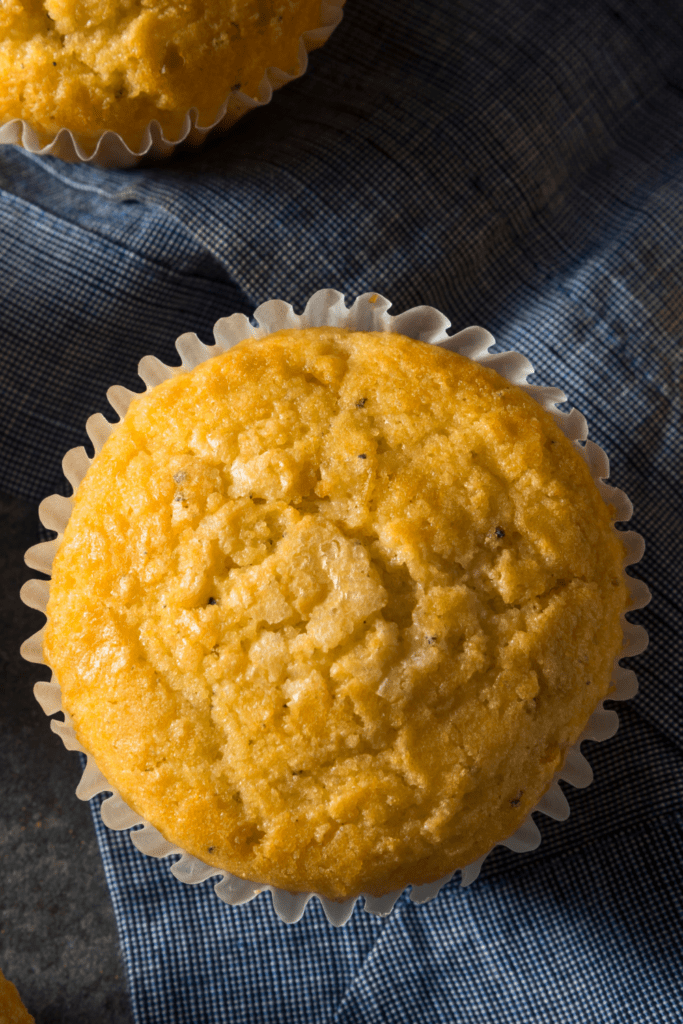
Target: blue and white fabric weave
x,y
516,165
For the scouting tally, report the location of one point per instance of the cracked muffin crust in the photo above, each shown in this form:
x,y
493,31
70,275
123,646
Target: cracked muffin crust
x,y
96,65
331,607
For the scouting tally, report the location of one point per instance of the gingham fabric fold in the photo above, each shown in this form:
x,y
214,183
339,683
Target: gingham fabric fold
x,y
515,165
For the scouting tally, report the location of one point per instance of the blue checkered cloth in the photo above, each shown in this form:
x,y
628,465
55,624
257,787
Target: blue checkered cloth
x,y
517,165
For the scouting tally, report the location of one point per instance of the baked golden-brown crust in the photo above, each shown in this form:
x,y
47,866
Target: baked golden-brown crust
x,y
12,1010
91,65
330,609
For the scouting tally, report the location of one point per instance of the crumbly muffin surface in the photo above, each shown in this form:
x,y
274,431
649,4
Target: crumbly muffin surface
x,y
330,609
91,65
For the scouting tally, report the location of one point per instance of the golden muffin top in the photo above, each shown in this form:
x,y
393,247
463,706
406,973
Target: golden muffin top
x,y
331,607
91,65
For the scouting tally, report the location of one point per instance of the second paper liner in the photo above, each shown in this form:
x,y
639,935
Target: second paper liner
x,y
369,312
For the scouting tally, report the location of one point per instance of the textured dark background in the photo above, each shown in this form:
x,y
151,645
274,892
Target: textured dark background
x,y
58,940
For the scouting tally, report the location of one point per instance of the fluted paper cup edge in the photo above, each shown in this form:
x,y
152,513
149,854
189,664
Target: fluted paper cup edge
x,y
369,312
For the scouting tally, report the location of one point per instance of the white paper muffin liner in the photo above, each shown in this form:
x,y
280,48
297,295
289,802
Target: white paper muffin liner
x,y
369,312
109,149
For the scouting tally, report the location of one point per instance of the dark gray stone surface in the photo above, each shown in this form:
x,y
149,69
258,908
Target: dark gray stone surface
x,y
58,940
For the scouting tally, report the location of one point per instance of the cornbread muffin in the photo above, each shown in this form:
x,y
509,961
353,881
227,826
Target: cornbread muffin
x,y
12,1010
331,608
91,65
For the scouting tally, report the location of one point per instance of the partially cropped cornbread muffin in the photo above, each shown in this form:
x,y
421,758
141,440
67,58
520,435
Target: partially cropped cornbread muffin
x,y
92,65
12,1010
331,608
